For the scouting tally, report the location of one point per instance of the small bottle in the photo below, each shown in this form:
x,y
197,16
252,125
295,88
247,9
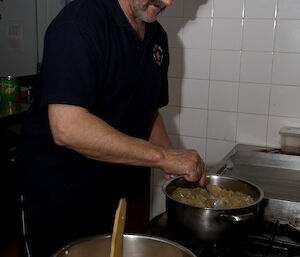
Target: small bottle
x,y
10,90
0,89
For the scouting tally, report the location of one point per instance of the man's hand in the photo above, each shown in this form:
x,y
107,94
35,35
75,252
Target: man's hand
x,y
184,162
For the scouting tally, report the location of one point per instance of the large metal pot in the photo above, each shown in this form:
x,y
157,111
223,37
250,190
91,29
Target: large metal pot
x,y
213,224
133,246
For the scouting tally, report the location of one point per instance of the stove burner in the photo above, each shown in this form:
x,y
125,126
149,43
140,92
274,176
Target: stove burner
x,y
268,239
219,250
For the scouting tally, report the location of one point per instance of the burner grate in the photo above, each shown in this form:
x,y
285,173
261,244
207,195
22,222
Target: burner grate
x,y
268,239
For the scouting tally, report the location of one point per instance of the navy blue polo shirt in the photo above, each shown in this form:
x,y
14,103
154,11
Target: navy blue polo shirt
x,y
94,59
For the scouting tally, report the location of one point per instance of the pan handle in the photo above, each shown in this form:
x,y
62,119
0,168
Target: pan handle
x,y
223,218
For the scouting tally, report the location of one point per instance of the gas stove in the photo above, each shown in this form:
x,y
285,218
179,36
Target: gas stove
x,y
277,232
270,238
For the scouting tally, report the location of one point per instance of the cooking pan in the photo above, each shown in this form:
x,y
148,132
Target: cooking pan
x,y
213,224
134,245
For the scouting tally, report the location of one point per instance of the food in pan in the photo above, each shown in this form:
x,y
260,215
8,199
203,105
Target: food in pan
x,y
200,198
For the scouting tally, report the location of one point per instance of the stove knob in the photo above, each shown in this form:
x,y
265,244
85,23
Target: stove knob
x,y
297,221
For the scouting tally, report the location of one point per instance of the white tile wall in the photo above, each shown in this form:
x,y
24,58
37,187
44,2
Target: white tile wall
x,y
235,75
172,25
192,122
223,96
248,92
216,150
196,143
227,34
228,8
285,68
191,8
256,67
175,91
288,36
260,9
176,10
170,115
175,68
252,129
196,63
258,35
288,9
225,65
197,33
285,101
194,93
225,131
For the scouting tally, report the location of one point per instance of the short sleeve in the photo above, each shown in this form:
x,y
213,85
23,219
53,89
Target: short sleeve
x,y
69,74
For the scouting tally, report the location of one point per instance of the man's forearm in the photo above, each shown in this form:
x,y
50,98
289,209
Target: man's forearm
x,y
77,129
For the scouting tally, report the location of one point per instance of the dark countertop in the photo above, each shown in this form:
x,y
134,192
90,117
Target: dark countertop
x,y
12,113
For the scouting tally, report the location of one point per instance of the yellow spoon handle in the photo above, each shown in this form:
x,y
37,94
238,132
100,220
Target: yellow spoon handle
x,y
118,229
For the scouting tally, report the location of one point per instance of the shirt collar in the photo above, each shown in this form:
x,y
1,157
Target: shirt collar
x,y
116,12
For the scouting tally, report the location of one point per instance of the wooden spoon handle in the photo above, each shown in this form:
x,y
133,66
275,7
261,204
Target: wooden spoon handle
x,y
118,230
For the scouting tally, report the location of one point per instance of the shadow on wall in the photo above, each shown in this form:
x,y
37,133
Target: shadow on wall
x,y
174,28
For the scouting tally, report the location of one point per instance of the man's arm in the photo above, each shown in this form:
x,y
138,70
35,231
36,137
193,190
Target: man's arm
x,y
77,129
159,136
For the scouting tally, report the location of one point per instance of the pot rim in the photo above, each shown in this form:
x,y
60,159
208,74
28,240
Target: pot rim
x,y
261,193
127,235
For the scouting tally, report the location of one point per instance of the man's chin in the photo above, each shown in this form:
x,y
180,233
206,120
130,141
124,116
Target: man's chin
x,y
151,17
148,20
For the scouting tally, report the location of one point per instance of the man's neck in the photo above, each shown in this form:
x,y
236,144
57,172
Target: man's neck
x,y
137,24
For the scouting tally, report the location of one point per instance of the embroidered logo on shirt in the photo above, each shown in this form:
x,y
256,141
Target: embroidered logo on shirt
x,y
158,54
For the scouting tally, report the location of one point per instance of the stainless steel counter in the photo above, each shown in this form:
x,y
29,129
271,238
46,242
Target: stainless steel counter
x,y
278,175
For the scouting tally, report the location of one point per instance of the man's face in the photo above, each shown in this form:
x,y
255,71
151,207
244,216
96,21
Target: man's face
x,y
148,10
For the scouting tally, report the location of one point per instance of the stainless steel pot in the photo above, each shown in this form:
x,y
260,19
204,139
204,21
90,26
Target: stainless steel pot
x,y
133,246
213,224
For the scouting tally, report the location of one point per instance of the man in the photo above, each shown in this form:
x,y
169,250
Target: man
x,y
94,126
